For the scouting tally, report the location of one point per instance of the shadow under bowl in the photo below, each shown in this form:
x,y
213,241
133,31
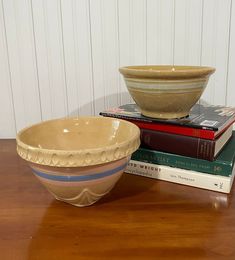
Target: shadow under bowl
x,y
78,160
166,92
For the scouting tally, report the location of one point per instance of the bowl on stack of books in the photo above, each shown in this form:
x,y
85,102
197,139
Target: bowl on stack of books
x,y
181,141
198,150
166,91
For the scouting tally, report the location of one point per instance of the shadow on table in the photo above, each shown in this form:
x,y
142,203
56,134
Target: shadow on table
x,y
139,217
128,187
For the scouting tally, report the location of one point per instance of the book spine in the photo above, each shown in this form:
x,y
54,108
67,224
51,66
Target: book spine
x,y
187,131
188,163
178,144
168,128
180,176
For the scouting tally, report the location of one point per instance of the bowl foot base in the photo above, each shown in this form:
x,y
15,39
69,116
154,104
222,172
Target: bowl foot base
x,y
164,115
75,204
85,198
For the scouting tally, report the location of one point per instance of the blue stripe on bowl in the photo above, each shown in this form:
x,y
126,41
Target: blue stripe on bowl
x,y
92,176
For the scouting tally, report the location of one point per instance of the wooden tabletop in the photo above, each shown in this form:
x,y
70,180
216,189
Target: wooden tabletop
x,y
141,218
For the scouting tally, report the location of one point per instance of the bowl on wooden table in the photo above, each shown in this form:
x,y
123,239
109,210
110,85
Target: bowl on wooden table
x,y
166,92
78,160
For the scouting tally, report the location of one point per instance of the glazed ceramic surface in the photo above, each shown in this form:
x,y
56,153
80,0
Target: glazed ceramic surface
x,y
166,91
79,160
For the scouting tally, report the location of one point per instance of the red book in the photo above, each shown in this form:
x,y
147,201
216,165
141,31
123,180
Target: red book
x,y
206,122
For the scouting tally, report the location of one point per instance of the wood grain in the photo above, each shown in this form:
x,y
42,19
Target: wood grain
x,y
141,218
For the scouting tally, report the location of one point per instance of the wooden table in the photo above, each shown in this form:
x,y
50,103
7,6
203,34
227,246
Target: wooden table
x,y
141,218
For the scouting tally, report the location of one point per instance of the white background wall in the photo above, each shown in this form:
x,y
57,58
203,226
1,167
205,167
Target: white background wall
x,y
60,58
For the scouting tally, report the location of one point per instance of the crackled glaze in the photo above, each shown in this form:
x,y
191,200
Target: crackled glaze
x,y
74,142
79,160
166,91
80,186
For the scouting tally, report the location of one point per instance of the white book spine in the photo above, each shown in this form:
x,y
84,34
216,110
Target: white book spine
x,y
181,176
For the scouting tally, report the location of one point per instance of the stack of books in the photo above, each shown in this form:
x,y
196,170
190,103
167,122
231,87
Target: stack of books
x,y
198,150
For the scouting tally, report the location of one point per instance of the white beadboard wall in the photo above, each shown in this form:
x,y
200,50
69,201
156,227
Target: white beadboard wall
x,y
61,57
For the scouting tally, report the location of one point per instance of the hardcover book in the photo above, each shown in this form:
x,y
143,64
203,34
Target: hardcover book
x,y
185,145
204,121
222,165
181,176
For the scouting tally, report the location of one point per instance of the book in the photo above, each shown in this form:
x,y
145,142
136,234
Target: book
x,y
204,121
185,177
222,165
185,145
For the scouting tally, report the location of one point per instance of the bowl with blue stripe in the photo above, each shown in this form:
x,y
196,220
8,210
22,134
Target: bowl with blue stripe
x,y
166,91
79,160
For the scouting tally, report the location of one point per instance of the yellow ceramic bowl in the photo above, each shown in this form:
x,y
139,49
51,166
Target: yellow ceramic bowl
x,y
166,91
78,160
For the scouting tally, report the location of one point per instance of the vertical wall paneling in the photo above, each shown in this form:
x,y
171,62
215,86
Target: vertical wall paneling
x,y
78,63
124,44
105,51
44,75
231,60
50,58
21,49
7,119
61,57
138,32
188,23
97,55
132,36
160,31
215,42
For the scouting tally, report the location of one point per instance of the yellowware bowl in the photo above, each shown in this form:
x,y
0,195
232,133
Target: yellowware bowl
x,y
166,91
79,160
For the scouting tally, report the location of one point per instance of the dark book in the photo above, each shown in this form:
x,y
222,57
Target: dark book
x,y
222,165
204,121
185,145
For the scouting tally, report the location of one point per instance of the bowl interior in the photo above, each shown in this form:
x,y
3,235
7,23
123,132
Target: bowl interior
x,y
166,71
164,68
77,133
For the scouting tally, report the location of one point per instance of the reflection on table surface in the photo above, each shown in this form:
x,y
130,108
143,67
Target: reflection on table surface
x,y
140,218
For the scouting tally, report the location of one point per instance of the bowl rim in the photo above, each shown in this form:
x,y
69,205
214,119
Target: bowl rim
x,y
166,71
79,157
